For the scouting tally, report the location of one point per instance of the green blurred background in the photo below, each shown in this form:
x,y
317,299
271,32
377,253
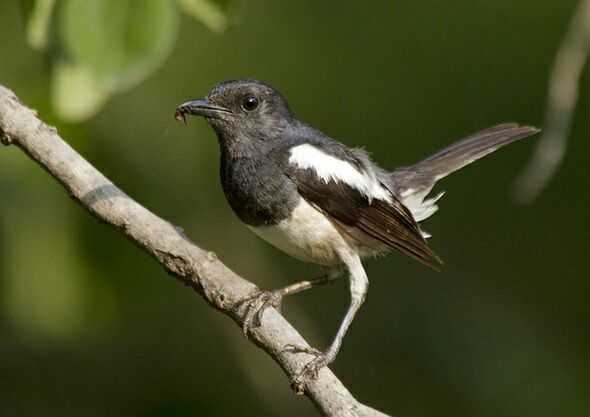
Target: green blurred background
x,y
91,326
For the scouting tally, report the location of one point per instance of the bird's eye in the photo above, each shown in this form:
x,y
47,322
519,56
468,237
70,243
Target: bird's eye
x,y
250,103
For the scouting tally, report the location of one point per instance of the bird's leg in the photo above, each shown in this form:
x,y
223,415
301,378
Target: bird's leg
x,y
258,302
358,291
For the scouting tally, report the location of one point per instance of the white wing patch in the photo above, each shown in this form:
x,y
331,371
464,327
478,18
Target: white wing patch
x,y
329,168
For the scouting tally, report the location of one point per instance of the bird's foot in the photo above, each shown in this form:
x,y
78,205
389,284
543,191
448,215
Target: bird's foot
x,y
311,369
256,304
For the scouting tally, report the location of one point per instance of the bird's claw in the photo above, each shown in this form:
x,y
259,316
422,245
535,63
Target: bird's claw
x,y
255,306
310,370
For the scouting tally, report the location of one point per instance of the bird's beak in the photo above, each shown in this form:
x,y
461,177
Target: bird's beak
x,y
201,107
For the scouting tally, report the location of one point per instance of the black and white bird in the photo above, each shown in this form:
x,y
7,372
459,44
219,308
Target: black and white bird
x,y
321,201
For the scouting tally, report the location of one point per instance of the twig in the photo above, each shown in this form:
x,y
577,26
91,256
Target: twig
x,y
197,268
563,97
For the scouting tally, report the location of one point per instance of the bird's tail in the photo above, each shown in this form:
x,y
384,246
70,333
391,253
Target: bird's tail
x,y
413,183
472,148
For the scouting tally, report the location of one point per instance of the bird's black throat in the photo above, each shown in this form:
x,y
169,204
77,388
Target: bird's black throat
x,y
256,188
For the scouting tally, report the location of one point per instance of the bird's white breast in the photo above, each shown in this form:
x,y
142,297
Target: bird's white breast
x,y
306,235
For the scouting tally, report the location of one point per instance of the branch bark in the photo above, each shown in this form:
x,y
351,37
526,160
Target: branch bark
x,y
190,264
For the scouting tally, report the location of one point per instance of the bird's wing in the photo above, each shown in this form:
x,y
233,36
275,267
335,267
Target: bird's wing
x,y
354,199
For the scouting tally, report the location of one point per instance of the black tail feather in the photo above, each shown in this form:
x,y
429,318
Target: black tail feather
x,y
413,183
472,148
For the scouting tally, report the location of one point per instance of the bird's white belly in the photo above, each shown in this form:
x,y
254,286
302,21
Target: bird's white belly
x,y
306,235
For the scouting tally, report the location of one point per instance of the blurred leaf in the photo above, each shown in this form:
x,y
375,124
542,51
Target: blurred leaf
x,y
112,45
76,94
212,13
38,17
120,41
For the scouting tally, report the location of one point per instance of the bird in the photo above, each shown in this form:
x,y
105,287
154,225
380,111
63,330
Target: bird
x,y
321,201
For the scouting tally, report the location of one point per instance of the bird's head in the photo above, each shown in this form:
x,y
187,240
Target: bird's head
x,y
241,109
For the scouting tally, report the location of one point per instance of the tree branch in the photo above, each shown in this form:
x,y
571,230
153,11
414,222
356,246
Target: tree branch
x,y
195,267
561,104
